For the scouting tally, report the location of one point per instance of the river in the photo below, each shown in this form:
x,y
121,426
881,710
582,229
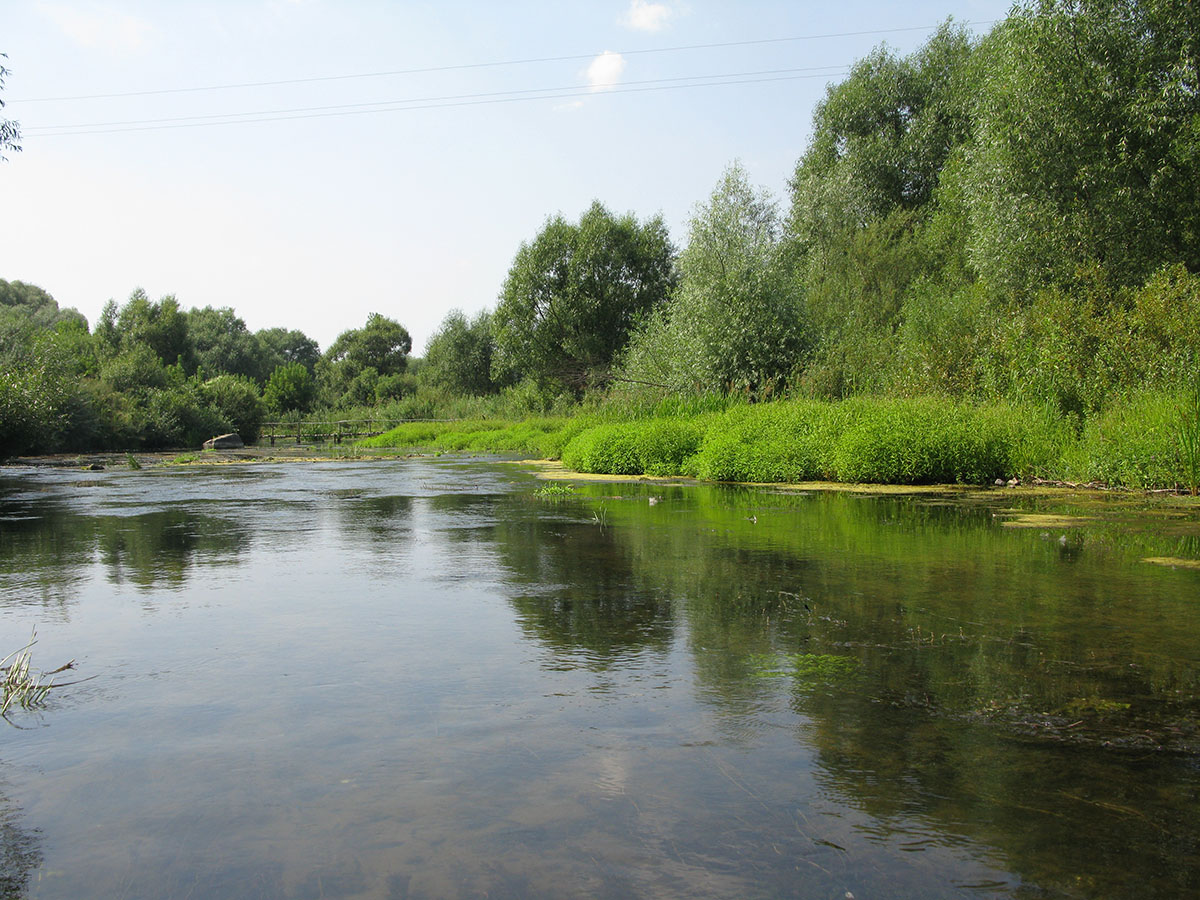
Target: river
x,y
432,678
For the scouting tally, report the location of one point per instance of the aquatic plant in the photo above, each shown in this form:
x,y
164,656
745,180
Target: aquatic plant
x,y
803,666
20,685
555,490
1187,433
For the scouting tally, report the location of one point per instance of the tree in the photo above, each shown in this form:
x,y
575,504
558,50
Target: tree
x,y
1088,148
281,346
735,322
290,387
459,356
881,137
574,295
10,131
161,326
358,357
221,344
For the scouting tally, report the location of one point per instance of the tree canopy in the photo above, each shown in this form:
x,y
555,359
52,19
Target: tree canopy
x,y
575,293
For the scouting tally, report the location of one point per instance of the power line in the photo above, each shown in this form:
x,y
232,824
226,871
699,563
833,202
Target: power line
x,y
389,105
494,64
482,101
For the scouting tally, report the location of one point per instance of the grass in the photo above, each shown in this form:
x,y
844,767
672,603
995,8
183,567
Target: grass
x,y
556,490
1151,440
1187,434
20,686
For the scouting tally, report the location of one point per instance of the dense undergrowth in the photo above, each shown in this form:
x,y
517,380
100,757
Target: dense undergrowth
x,y
1140,442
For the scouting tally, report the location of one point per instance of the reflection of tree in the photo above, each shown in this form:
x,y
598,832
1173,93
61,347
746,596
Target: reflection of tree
x,y
19,853
968,640
41,544
161,547
582,593
375,518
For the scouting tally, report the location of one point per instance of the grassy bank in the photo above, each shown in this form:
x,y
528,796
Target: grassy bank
x,y
1141,442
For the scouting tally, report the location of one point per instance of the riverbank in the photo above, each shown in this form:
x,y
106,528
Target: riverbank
x,y
1140,444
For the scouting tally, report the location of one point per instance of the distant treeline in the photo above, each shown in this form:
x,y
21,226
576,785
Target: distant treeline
x,y
1015,217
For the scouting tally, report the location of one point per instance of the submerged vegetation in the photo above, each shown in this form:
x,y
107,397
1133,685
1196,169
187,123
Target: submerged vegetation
x,y
978,273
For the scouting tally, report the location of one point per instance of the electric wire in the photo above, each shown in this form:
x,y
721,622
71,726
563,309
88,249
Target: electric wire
x,y
493,64
427,102
484,100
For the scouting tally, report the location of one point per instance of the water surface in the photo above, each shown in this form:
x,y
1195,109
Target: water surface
x,y
420,679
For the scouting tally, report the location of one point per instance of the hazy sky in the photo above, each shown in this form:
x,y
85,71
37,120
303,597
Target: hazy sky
x,y
401,151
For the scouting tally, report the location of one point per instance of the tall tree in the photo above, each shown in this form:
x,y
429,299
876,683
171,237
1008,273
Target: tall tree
x,y
1088,147
222,345
352,365
575,293
735,323
459,355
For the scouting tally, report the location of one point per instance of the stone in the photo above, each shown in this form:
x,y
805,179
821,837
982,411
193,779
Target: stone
x,y
224,442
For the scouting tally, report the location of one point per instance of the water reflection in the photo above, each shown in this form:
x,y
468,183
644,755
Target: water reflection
x,y
419,679
20,854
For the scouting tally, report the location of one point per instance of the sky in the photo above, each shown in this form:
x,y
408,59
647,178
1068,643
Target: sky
x,y
309,162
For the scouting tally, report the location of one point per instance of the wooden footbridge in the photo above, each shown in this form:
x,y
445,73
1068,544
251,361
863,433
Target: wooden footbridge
x,y
325,432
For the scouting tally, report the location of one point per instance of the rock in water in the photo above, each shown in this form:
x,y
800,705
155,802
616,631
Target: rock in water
x,y
224,442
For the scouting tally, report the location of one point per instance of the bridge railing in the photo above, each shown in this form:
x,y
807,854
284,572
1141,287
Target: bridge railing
x,y
330,432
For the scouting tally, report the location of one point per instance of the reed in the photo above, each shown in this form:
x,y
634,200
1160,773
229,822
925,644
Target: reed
x,y
20,685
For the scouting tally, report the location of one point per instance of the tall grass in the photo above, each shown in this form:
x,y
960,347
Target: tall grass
x,y
19,684
1140,440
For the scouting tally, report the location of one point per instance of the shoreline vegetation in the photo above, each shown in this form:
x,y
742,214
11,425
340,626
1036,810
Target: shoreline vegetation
x,y
970,280
925,441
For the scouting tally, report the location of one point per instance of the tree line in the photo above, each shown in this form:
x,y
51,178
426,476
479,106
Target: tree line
x,y
153,375
1012,216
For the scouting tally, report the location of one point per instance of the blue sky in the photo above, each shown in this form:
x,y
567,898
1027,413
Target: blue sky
x,y
301,205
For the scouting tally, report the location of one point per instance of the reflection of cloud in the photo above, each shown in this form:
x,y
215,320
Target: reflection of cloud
x,y
605,71
97,25
643,16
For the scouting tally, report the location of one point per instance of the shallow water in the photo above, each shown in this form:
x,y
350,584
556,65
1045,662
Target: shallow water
x,y
419,679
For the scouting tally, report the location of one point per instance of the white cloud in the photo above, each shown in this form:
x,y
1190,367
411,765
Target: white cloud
x,y
605,71
570,106
97,25
644,16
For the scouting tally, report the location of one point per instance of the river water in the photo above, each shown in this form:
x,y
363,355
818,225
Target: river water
x,y
424,679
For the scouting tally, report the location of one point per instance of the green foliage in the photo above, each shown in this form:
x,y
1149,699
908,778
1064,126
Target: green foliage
x,y
178,416
237,402
881,138
281,347
1187,434
735,324
536,437
1087,146
290,387
458,358
576,292
348,373
34,399
922,441
1133,442
222,345
776,442
607,449
161,326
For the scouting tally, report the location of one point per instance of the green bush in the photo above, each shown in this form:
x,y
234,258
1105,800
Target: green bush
x,y
665,445
236,402
606,449
1134,442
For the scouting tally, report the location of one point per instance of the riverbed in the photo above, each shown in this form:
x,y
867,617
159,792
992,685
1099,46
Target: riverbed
x,y
437,678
